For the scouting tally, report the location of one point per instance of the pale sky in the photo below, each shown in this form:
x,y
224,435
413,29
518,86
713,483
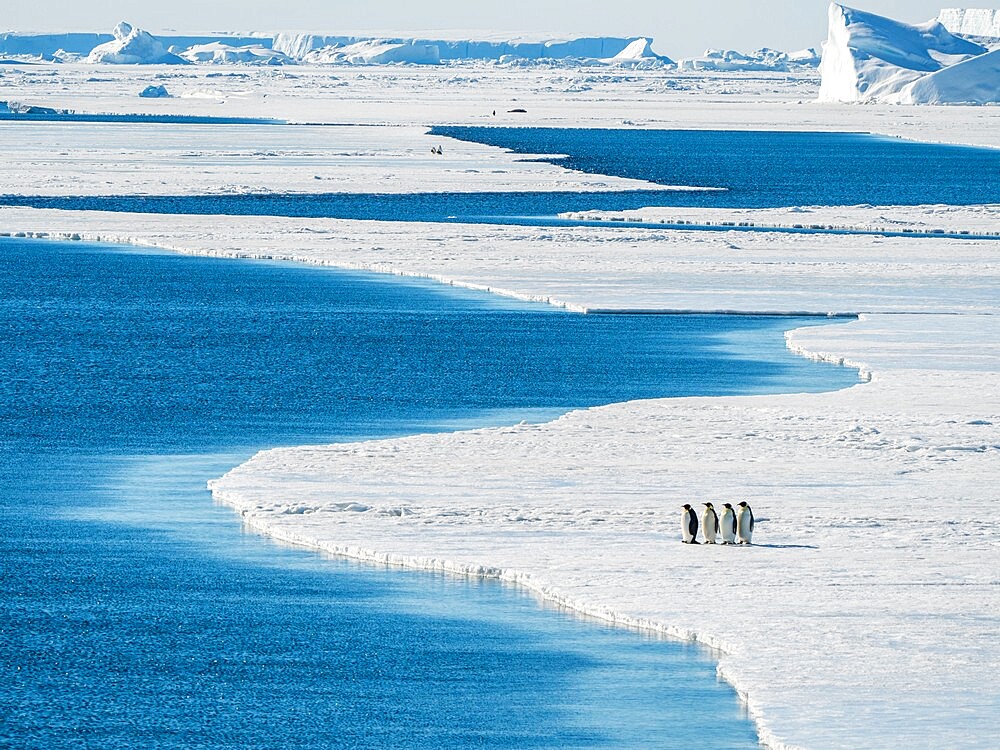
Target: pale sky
x,y
679,29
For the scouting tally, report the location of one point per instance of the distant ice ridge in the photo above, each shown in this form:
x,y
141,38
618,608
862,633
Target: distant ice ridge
x,y
129,45
869,58
337,49
762,59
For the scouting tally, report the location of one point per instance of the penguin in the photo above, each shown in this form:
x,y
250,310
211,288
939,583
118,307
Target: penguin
x,y
744,523
710,520
728,524
689,525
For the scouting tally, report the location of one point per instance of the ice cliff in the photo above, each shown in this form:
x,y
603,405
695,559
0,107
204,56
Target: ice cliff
x,y
869,58
304,46
977,22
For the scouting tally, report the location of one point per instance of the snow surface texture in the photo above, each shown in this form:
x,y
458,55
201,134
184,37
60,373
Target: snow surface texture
x,y
977,22
872,607
200,159
871,58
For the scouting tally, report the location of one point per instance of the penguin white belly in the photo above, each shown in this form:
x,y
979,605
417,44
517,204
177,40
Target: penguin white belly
x,y
728,527
686,534
743,530
708,522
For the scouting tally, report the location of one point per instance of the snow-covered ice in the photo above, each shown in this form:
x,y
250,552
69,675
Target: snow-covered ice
x,y
872,609
200,159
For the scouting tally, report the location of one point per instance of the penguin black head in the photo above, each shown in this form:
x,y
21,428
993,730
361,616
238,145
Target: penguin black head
x,y
687,507
743,504
728,505
707,505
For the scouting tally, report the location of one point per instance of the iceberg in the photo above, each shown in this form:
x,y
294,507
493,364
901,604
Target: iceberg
x,y
154,92
729,60
375,52
808,57
219,53
132,46
39,45
641,50
465,46
870,58
127,45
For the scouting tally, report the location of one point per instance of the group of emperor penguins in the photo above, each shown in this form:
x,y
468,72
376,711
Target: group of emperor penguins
x,y
735,525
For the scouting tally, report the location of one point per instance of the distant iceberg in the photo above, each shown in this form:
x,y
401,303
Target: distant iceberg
x,y
154,92
133,46
760,60
869,58
128,45
221,54
375,52
640,51
463,46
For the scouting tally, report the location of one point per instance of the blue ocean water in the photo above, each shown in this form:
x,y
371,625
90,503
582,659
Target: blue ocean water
x,y
761,169
134,613
756,170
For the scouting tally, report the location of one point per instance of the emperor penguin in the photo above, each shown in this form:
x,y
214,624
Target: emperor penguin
x,y
728,524
710,521
689,525
744,523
